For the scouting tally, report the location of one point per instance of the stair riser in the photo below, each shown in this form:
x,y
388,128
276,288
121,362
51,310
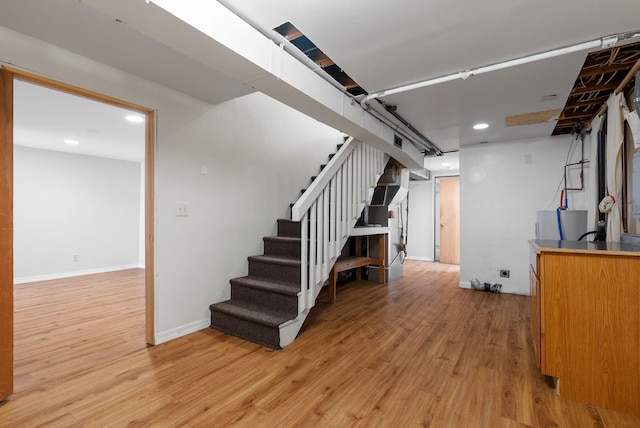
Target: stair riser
x,y
282,249
289,229
274,271
288,304
244,329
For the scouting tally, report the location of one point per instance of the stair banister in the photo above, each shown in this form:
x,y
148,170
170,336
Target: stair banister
x,y
329,209
322,180
269,305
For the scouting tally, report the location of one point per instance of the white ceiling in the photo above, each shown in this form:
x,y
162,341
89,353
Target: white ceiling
x,y
381,44
44,119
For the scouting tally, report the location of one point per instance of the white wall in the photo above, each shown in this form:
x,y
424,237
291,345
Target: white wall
x,y
257,152
500,193
141,226
67,204
420,236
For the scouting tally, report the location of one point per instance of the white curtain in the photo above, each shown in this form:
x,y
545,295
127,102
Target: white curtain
x,y
592,182
612,204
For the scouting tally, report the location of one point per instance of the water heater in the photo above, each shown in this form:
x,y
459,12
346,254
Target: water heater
x,y
573,223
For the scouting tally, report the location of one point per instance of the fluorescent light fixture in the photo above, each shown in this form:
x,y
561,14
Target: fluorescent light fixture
x,y
135,118
481,126
72,142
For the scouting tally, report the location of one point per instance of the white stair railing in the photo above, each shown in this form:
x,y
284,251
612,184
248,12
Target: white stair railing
x,y
328,211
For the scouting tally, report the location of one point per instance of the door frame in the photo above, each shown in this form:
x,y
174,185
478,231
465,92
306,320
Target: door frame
x,y
7,76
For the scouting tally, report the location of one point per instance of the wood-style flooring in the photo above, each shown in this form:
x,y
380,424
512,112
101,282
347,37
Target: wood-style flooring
x,y
418,351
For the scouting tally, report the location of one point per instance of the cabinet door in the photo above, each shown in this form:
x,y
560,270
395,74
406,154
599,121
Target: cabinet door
x,y
534,291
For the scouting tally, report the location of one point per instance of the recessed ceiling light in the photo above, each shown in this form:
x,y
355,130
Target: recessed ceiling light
x,y
72,142
135,118
481,126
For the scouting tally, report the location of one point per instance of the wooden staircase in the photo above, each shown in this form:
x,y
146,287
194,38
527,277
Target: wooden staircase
x,y
268,296
270,304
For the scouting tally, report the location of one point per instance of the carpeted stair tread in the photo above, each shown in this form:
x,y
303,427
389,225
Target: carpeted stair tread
x,y
282,246
287,227
251,312
279,287
283,261
282,238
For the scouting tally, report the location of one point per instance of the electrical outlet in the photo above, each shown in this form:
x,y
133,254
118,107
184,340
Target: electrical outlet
x,y
75,258
504,273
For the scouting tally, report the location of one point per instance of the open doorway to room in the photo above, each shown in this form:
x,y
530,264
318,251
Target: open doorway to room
x,y
77,186
79,207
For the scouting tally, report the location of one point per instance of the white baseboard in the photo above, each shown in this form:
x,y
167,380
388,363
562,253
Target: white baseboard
x,y
465,284
26,279
421,259
183,330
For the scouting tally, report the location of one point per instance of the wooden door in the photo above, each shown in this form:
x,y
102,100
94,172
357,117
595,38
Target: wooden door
x,y
6,234
450,220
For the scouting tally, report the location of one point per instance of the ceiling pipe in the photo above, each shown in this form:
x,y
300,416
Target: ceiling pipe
x,y
431,148
421,142
604,42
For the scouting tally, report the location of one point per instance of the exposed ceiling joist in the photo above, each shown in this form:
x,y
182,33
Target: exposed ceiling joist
x,y
602,73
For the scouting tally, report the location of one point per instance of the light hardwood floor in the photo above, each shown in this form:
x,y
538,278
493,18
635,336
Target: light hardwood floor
x,y
418,351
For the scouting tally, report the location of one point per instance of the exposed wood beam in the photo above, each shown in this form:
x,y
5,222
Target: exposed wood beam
x,y
288,31
320,58
622,85
594,88
577,115
292,35
596,70
585,103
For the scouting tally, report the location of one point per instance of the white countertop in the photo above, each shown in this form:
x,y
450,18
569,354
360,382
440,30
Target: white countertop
x,y
370,230
585,247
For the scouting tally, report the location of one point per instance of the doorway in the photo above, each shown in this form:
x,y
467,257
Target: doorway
x,y
447,224
7,77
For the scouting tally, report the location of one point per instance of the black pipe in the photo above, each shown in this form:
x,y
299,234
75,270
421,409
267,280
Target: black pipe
x,y
602,169
586,234
434,150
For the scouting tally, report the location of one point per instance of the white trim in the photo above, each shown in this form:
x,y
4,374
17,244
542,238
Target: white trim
x,y
183,330
420,259
60,275
465,284
289,330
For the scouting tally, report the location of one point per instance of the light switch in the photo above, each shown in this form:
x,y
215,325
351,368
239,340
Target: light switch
x,y
182,209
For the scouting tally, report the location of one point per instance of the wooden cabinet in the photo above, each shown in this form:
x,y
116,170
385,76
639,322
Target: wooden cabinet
x,y
534,291
585,323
